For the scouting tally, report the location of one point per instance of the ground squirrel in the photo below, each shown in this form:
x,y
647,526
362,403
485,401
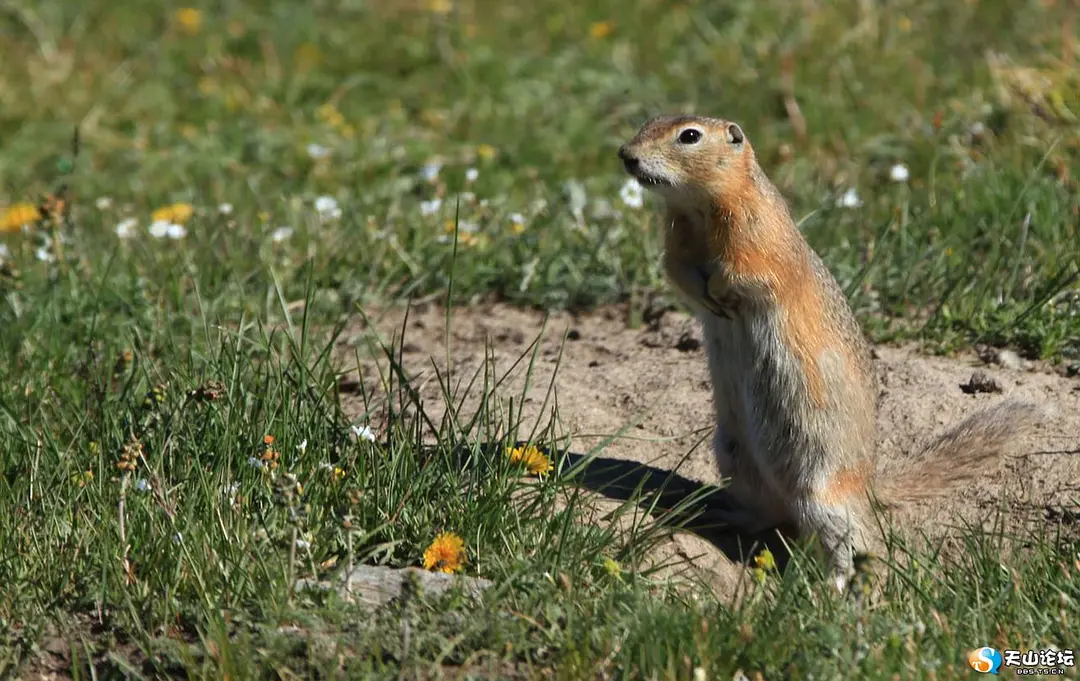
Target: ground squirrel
x,y
794,386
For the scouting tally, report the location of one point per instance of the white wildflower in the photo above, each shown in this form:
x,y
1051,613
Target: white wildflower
x,y
517,218
364,433
142,486
468,227
899,173
471,174
317,151
175,231
281,234
327,208
632,194
256,462
177,538
326,466
430,207
302,446
125,229
467,197
303,544
849,199
225,209
159,229
430,171
103,203
45,254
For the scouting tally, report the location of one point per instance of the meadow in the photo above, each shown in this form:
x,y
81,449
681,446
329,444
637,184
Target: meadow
x,y
198,203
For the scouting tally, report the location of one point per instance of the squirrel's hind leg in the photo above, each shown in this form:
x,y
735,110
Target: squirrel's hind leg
x,y
838,528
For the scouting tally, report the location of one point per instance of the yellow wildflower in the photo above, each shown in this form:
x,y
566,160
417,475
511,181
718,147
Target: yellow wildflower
x,y
486,152
765,560
534,460
439,6
189,19
330,114
339,473
177,213
601,29
446,553
307,56
612,567
517,224
18,216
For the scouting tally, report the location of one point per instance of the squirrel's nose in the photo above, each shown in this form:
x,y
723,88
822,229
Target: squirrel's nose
x,y
629,160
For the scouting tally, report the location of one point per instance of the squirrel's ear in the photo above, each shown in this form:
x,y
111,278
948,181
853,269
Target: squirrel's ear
x,y
735,134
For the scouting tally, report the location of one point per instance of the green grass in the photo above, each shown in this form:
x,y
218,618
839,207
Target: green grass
x,y
980,100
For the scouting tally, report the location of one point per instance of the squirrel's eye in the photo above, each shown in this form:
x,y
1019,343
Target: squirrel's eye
x,y
689,136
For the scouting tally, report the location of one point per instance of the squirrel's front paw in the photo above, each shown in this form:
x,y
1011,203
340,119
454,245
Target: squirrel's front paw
x,y
719,297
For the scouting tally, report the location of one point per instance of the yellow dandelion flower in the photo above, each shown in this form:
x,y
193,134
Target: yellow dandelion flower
x,y
446,553
18,216
612,567
486,152
189,19
339,473
439,6
178,213
532,458
765,560
329,113
601,29
517,224
307,56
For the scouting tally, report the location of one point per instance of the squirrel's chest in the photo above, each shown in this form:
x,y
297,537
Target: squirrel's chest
x,y
747,353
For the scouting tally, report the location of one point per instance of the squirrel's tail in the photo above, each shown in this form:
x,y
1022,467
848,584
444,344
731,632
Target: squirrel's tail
x,y
963,455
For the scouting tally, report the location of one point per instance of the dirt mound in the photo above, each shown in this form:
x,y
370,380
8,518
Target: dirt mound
x,y
648,388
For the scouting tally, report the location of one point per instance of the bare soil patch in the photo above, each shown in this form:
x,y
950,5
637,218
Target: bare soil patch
x,y
651,385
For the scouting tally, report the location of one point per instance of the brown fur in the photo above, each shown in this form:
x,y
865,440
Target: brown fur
x,y
794,386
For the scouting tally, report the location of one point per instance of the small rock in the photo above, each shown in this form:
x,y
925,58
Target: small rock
x,y
1010,360
690,340
980,382
374,586
593,363
573,334
1007,359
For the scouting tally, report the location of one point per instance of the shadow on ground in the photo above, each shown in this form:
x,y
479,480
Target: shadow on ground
x,y
681,502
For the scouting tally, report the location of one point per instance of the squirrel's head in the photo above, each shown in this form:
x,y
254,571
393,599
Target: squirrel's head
x,y
687,158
